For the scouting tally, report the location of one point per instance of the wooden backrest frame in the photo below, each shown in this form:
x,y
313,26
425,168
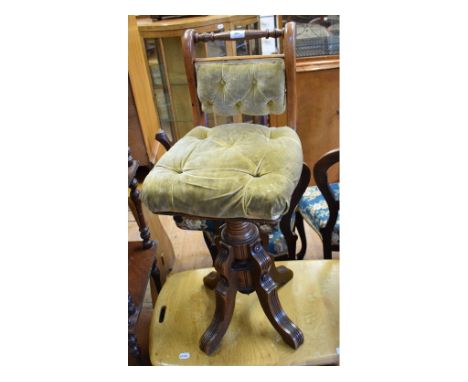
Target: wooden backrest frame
x,y
288,33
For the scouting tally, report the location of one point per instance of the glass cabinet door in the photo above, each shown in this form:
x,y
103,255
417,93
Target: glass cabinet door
x,y
169,81
160,86
247,47
316,35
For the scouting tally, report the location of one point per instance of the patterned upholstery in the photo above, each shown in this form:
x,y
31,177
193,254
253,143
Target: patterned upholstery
x,y
253,87
276,242
314,210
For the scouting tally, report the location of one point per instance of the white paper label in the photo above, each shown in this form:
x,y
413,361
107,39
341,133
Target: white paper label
x,y
184,355
238,34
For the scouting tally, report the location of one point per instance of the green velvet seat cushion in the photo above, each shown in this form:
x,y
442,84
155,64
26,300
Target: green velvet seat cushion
x,y
237,170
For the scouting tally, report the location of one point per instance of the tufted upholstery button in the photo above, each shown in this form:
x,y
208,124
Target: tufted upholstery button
x,y
270,103
238,104
226,82
209,102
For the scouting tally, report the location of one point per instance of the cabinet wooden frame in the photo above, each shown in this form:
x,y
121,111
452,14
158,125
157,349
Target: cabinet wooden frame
x,y
143,27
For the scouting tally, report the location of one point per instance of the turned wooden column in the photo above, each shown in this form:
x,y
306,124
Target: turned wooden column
x,y
243,265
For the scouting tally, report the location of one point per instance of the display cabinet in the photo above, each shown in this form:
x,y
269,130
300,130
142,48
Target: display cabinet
x,y
163,49
317,35
318,83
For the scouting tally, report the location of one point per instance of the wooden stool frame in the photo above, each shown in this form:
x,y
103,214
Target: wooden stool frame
x,y
242,264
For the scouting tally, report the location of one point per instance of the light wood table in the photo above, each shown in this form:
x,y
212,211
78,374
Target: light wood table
x,y
184,310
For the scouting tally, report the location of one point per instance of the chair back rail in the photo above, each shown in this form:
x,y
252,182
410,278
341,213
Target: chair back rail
x,y
288,33
238,35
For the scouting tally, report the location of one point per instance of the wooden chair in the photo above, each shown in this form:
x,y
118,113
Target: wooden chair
x,y
279,238
240,175
319,207
141,265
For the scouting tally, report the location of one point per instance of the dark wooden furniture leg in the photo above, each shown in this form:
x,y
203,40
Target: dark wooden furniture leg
x,y
243,265
321,178
135,206
266,289
302,235
226,290
285,223
133,347
327,247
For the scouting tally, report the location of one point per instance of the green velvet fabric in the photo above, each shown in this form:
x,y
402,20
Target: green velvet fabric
x,y
238,170
253,87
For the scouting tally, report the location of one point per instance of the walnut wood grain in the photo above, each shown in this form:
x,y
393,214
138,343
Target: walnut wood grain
x,y
225,291
243,265
289,46
191,37
188,50
234,58
266,289
246,35
318,118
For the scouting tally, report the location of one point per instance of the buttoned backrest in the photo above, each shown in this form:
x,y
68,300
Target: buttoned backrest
x,y
253,87
250,85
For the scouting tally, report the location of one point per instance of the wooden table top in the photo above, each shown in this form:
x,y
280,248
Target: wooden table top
x,y
186,307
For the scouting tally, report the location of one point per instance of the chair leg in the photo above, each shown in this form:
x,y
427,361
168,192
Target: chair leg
x,y
302,235
211,246
226,290
285,223
327,247
266,289
289,236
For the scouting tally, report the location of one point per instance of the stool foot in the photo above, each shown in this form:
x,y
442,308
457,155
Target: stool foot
x,y
226,290
266,288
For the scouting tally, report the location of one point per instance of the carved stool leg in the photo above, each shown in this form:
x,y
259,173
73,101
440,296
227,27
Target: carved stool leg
x,y
266,289
226,290
243,265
